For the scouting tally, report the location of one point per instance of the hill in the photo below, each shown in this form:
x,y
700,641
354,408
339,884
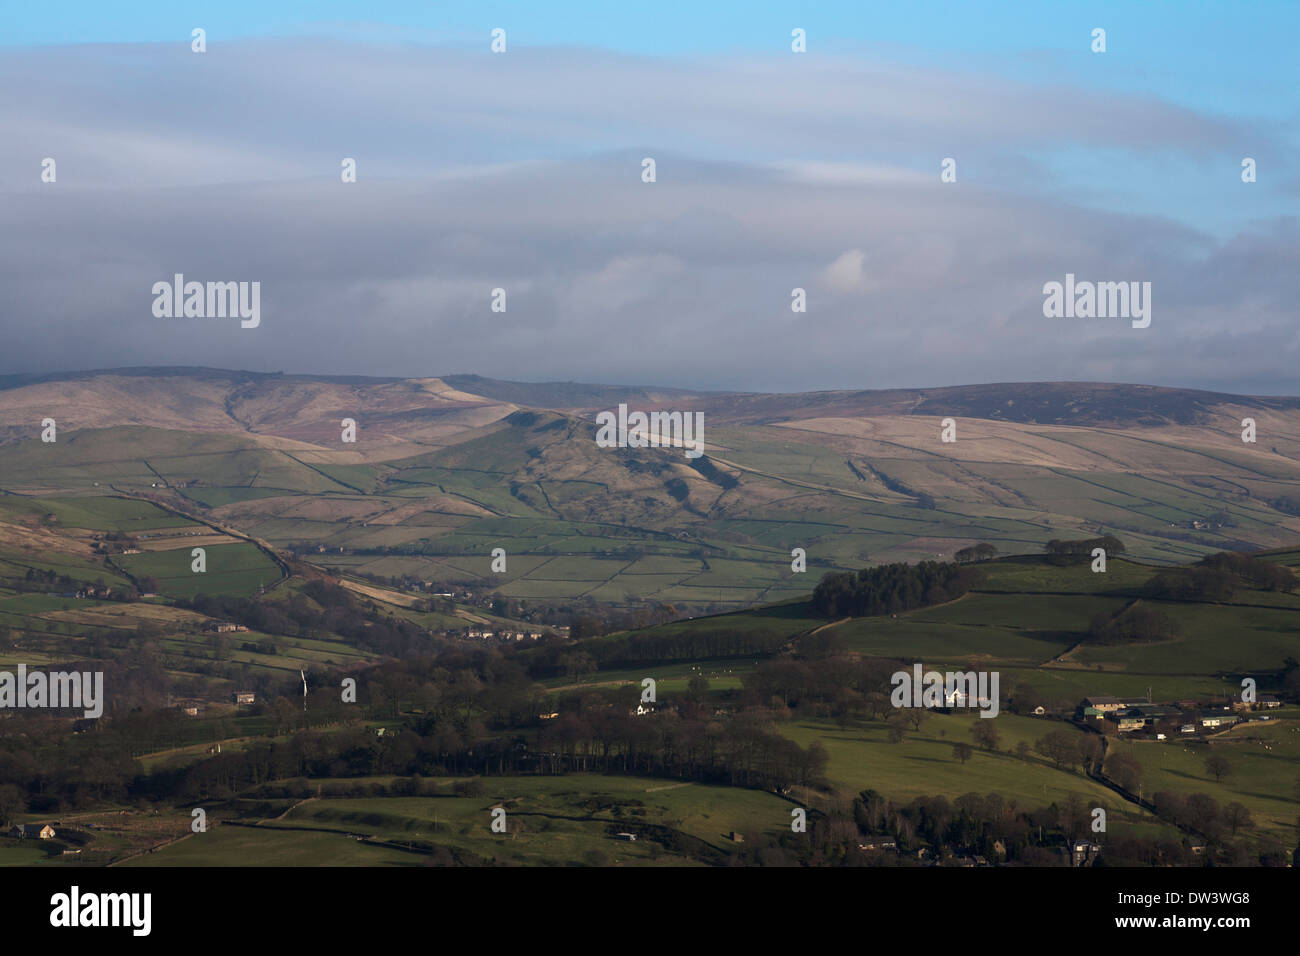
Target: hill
x,y
444,470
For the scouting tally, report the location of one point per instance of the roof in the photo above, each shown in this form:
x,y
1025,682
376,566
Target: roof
x,y
1155,711
31,829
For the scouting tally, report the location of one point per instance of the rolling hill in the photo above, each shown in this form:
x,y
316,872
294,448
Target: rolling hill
x,y
444,470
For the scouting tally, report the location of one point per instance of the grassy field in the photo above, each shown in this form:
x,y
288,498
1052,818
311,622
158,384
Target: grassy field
x,y
552,820
1265,770
235,569
246,846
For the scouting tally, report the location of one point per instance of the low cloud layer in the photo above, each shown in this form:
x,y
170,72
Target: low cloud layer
x,y
523,172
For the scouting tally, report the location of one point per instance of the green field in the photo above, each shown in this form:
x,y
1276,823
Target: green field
x,y
235,569
553,820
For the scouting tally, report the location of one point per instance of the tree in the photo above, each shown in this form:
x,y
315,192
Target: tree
x,y
12,801
1022,750
985,734
962,751
1125,771
897,728
1218,765
1060,747
1237,817
697,687
1091,752
578,664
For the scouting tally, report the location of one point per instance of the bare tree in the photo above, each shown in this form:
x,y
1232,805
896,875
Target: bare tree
x,y
1218,765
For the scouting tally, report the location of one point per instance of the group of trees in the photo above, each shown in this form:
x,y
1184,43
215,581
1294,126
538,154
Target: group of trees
x,y
653,647
41,580
978,552
994,827
1069,749
1218,577
320,610
1202,813
890,588
1265,575
1133,624
1193,584
476,712
1062,552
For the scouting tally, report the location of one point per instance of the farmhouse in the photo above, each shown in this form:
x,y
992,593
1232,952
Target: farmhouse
x,y
1213,718
32,831
1269,702
245,697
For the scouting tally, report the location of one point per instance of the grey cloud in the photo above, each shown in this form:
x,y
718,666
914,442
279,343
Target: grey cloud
x,y
524,172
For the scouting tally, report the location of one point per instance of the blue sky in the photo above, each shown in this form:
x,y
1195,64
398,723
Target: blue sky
x,y
777,170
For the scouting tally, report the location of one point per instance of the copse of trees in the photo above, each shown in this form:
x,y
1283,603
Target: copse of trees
x,y
1193,584
1062,552
890,588
1134,624
1264,575
979,552
1218,577
321,608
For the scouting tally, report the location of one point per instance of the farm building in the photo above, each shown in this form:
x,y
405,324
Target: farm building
x,y
32,831
1217,719
1102,705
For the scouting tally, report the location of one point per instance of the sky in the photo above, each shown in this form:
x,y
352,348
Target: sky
x,y
775,170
